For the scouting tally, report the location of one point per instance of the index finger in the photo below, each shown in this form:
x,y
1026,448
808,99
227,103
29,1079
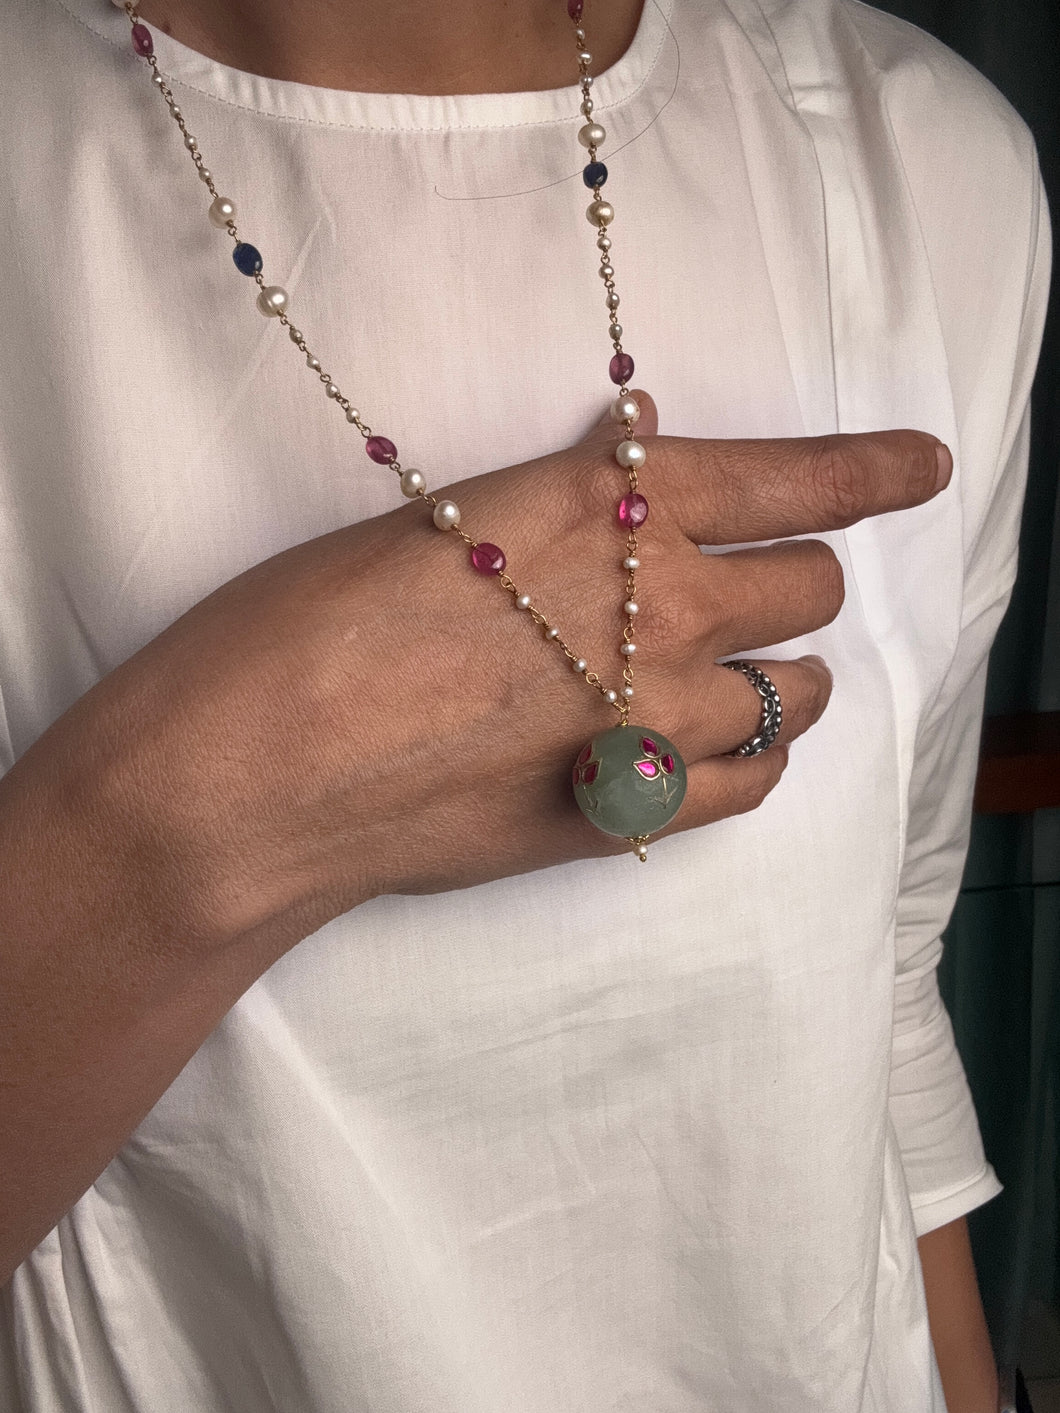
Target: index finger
x,y
735,492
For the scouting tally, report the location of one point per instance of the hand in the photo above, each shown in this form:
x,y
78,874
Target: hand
x,y
364,714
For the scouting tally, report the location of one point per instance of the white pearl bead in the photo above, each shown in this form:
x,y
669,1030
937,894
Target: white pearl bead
x,y
592,135
627,692
579,34
615,331
611,696
352,414
625,409
600,213
612,300
412,481
628,649
630,455
551,634
222,211
579,665
311,362
584,57
190,143
205,175
272,299
603,242
630,607
631,562
446,514
332,390
174,110
295,335
606,271
156,77
587,107
523,601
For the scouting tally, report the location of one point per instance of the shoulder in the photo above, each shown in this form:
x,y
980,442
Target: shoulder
x,y
938,101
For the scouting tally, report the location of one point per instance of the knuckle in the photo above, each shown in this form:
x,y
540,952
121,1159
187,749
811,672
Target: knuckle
x,y
669,621
761,779
829,583
838,480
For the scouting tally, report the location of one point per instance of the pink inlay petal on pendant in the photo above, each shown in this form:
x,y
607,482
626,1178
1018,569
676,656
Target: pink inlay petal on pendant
x,y
632,510
668,763
586,753
590,772
648,746
647,768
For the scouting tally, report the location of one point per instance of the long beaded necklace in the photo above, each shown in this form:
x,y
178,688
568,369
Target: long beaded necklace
x,y
629,781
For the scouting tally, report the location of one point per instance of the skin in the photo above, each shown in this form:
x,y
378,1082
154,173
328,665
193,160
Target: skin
x,y
161,868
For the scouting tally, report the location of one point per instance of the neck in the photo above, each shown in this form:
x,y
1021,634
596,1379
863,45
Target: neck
x,y
400,46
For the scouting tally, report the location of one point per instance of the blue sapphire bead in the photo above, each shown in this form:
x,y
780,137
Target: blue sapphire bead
x,y
247,258
595,174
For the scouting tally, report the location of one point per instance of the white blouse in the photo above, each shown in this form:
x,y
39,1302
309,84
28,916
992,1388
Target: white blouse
x,y
602,1137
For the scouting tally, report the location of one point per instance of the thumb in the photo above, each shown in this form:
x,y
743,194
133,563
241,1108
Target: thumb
x,y
607,431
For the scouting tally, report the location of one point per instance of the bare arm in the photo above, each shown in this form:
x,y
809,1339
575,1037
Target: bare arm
x,y
958,1325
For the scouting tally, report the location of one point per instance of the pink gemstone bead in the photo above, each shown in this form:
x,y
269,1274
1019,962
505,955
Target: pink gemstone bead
x,y
487,558
621,368
574,9
380,449
142,41
632,510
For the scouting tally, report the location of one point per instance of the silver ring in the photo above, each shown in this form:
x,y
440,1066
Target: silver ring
x,y
772,712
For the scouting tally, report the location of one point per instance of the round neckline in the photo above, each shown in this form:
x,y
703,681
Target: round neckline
x,y
387,112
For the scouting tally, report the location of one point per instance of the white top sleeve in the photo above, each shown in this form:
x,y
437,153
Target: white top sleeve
x,y
930,1103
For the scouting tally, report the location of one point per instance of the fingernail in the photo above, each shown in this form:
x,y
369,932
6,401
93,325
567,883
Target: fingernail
x,y
942,451
812,657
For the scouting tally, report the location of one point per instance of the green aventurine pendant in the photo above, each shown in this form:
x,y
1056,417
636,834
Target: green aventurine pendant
x,y
630,781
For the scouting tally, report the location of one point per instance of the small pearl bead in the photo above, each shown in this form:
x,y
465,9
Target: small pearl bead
x,y
579,665
446,514
630,455
295,335
523,601
632,562
412,481
611,696
615,331
603,242
272,299
600,213
613,301
584,57
587,107
628,649
630,607
190,143
627,692
592,135
156,77
579,34
352,414
222,211
174,110
332,390
205,175
606,271
551,634
625,409
312,362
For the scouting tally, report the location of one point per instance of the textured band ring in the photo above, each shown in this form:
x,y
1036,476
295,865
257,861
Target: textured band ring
x,y
772,712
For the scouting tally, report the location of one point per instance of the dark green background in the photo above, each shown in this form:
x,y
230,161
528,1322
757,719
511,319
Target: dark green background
x,y
999,973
